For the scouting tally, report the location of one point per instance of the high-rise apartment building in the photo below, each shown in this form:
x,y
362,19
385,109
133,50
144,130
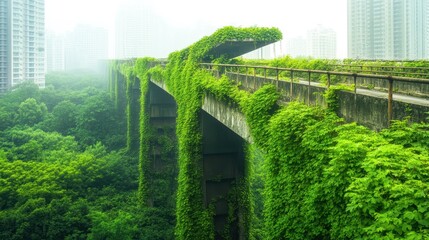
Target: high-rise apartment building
x,y
22,42
322,43
388,29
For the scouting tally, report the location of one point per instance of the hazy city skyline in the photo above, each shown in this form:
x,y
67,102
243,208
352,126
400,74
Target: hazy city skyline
x,y
189,20
395,29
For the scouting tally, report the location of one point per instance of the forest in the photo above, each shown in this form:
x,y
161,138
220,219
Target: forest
x,y
64,170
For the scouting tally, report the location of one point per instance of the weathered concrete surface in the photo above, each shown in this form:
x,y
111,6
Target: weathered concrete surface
x,y
407,88
223,171
162,158
161,85
224,132
227,114
368,108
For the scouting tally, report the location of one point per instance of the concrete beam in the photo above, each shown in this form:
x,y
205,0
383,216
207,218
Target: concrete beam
x,y
228,115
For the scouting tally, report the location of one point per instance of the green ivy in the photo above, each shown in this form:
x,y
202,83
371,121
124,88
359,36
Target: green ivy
x,y
331,96
325,179
141,69
188,82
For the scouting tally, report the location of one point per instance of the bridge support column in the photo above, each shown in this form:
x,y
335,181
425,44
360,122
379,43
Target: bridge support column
x,y
133,114
224,185
161,165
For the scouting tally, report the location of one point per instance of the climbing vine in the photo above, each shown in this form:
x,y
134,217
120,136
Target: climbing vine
x,y
187,82
331,180
132,106
325,179
141,69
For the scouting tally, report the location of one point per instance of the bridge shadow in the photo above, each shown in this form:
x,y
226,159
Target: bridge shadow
x,y
162,155
223,175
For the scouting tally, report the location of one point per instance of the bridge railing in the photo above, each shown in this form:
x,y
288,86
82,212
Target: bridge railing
x,y
277,72
418,72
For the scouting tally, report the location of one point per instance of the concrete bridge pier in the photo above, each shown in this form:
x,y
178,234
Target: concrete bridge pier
x,y
133,111
161,169
223,177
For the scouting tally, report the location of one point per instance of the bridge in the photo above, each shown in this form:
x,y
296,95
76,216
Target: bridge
x,y
190,120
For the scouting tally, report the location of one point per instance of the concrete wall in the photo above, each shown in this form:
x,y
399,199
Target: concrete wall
x,y
408,88
371,111
224,131
162,158
367,110
227,114
223,172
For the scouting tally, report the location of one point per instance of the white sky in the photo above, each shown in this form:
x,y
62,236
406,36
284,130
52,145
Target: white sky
x,y
292,17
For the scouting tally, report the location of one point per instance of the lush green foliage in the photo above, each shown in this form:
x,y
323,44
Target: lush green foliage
x,y
322,178
158,206
399,68
330,180
59,178
187,83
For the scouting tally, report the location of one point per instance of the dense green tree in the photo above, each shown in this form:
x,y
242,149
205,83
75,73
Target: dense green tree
x,y
96,121
36,145
6,118
64,118
30,112
51,185
121,227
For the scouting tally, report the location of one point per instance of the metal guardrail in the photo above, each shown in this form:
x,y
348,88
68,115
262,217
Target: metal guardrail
x,y
292,71
390,70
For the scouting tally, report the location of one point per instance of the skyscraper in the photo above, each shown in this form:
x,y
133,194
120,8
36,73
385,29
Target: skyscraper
x,y
22,42
388,29
322,43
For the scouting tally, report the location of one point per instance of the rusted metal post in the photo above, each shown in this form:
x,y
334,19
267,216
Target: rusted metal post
x,y
308,88
247,72
254,78
390,101
355,82
328,84
355,95
277,78
291,84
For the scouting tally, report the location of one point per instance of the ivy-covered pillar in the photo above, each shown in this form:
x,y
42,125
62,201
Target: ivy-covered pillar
x,y
133,113
120,93
157,149
161,162
225,183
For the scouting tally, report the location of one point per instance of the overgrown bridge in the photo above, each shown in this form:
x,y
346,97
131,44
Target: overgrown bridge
x,y
192,122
